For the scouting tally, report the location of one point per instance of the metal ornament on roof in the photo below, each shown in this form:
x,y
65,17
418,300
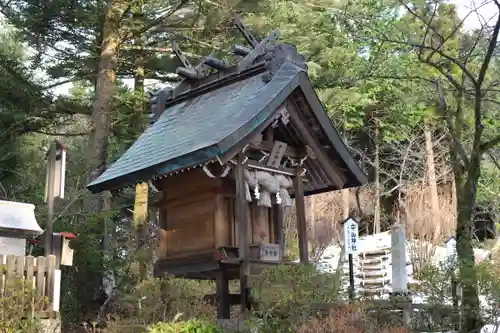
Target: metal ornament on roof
x,y
257,48
189,72
192,73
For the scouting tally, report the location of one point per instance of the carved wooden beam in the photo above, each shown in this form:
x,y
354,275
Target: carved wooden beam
x,y
259,166
267,146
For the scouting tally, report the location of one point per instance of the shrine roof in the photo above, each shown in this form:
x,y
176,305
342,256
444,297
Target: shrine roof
x,y
208,116
205,126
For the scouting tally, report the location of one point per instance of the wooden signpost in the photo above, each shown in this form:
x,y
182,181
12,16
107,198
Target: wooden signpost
x,y
351,236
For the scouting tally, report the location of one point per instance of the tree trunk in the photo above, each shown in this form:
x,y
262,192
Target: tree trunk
x,y
432,185
104,90
466,177
454,196
466,200
97,152
376,165
137,124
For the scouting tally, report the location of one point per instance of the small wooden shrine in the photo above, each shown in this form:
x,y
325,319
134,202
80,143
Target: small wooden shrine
x,y
229,148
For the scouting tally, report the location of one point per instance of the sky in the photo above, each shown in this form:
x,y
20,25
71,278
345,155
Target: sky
x,y
486,12
475,12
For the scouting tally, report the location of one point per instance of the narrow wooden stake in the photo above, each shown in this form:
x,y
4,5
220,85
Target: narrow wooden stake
x,y
301,216
222,294
241,212
351,277
456,305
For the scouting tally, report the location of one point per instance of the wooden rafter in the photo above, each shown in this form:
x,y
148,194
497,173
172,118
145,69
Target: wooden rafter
x,y
267,146
334,174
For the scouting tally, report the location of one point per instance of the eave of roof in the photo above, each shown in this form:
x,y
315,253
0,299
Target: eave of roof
x,y
334,137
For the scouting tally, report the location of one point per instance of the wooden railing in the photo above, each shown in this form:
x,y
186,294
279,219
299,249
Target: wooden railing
x,y
38,280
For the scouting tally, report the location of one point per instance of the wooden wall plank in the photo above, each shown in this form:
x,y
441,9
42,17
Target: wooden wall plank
x,y
188,184
222,226
188,213
260,224
162,234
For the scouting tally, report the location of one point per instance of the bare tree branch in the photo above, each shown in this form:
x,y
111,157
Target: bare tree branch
x,y
489,53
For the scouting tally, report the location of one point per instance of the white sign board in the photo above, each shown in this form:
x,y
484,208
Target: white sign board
x,y
451,247
351,236
270,252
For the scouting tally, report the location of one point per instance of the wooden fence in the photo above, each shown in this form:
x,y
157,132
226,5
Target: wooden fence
x,y
421,317
38,280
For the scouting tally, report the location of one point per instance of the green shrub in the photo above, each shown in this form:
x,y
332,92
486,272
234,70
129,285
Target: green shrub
x,y
288,294
189,326
160,300
16,307
348,319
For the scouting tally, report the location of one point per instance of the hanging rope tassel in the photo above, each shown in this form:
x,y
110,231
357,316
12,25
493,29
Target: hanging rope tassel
x,y
256,192
278,196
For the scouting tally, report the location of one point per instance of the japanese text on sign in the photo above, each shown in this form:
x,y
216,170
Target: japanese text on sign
x,y
351,236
